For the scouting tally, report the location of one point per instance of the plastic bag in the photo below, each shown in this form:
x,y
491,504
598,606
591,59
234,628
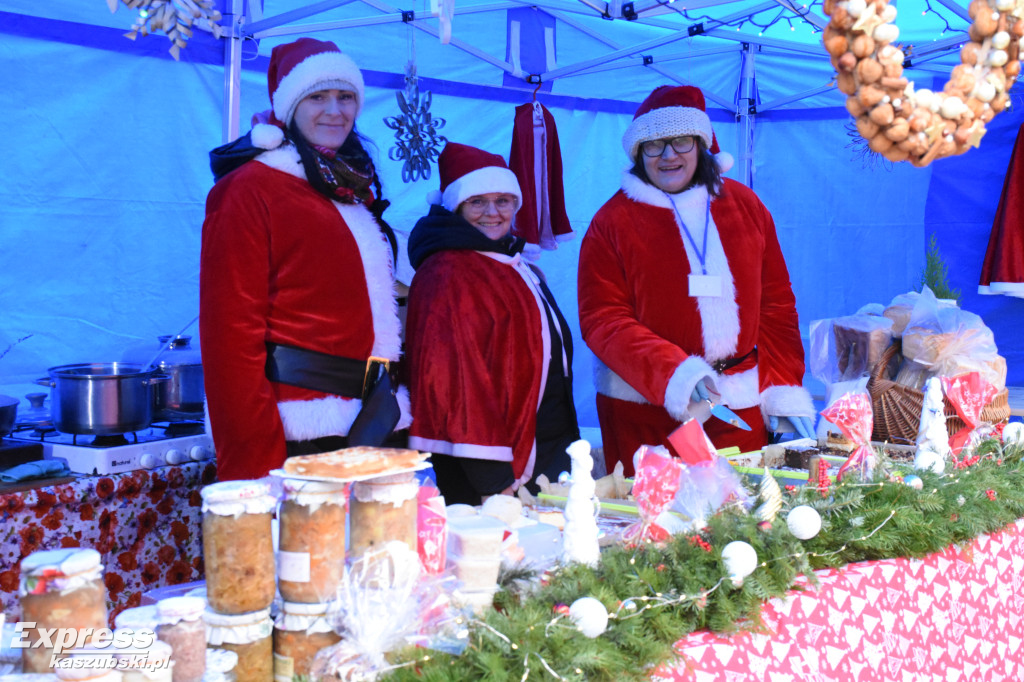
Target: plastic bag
x,y
845,348
969,394
949,341
853,416
706,481
654,487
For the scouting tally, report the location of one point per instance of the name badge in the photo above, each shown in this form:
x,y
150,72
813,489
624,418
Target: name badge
x,y
705,285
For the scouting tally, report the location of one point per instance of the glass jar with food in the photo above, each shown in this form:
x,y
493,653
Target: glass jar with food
x,y
153,666
220,665
250,636
89,665
300,632
181,626
238,548
383,510
311,543
59,588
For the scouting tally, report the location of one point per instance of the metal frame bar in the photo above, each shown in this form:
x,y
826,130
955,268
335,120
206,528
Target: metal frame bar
x,y
815,20
776,104
293,15
455,42
956,9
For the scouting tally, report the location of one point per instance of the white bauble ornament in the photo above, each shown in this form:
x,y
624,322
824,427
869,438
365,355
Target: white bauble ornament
x,y
997,57
803,522
1004,5
1001,40
589,615
1013,434
856,7
740,560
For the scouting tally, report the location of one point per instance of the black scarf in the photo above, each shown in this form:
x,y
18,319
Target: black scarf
x,y
442,230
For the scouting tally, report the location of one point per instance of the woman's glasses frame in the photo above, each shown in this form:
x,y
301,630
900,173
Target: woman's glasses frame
x,y
478,205
681,145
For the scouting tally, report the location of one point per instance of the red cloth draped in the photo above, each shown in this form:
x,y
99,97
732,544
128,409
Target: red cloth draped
x,y
1003,269
537,163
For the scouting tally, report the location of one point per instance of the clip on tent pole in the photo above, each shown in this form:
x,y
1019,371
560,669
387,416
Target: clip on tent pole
x,y
534,78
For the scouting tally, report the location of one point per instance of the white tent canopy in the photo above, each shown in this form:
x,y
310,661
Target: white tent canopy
x,y
106,163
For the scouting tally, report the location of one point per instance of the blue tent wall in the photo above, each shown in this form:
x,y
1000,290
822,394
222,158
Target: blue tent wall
x,y
105,179
962,202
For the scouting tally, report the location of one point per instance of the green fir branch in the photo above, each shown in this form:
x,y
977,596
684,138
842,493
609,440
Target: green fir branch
x,y
856,526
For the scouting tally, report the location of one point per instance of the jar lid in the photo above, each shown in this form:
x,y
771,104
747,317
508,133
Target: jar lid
x,y
295,617
220,660
175,609
65,562
138,617
156,654
242,628
231,498
100,665
59,570
295,486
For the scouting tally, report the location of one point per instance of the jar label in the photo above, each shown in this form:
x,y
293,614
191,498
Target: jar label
x,y
293,566
284,668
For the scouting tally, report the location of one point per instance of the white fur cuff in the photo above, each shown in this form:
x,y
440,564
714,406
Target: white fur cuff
x,y
680,386
787,401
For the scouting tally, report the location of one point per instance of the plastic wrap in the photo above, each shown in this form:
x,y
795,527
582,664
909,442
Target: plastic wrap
x,y
383,604
969,394
949,341
845,348
706,481
654,487
852,415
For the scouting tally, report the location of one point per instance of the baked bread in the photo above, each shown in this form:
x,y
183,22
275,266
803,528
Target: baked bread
x,y
355,462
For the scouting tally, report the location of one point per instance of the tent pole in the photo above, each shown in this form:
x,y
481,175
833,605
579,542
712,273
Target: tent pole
x,y
233,73
746,110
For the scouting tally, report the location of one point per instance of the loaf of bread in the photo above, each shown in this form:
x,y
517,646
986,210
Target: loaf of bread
x,y
355,462
900,316
860,342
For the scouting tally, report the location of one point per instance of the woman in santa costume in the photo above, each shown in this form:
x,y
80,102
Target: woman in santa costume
x,y
296,279
490,355
684,296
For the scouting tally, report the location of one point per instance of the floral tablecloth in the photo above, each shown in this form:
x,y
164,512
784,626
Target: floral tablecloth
x,y
146,524
955,615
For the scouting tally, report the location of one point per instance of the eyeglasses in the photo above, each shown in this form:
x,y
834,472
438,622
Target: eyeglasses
x,y
478,205
681,145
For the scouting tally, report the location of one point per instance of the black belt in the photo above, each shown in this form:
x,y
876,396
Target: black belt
x,y
345,377
721,365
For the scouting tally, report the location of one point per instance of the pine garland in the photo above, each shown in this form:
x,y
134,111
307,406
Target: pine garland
x,y
657,595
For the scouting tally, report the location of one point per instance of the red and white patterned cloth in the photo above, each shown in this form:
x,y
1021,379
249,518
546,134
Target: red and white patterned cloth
x,y
955,615
146,525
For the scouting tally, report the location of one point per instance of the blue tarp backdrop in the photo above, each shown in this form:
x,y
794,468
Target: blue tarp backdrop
x,y
105,164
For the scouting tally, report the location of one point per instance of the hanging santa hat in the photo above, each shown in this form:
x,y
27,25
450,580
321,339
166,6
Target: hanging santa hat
x,y
671,111
467,172
298,69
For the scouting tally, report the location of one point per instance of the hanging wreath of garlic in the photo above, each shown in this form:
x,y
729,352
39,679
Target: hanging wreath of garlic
x,y
176,18
903,123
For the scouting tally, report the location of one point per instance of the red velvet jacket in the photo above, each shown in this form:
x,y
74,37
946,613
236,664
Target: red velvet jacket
x,y
654,341
478,349
281,263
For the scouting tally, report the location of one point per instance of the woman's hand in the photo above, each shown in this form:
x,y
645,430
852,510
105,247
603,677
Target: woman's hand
x,y
804,426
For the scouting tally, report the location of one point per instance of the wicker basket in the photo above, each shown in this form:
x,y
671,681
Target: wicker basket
x,y
897,408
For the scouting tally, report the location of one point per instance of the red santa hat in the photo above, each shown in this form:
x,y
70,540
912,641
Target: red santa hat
x,y
305,66
671,111
467,172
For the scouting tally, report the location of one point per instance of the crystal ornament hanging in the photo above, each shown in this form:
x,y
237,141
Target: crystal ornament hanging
x,y
417,143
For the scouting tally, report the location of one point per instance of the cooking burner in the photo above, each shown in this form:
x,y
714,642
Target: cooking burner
x,y
183,428
109,441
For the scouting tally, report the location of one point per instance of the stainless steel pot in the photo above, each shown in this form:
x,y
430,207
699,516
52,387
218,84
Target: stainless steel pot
x,y
101,398
8,413
182,395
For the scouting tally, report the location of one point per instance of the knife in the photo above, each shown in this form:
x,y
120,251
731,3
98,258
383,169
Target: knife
x,y
728,416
